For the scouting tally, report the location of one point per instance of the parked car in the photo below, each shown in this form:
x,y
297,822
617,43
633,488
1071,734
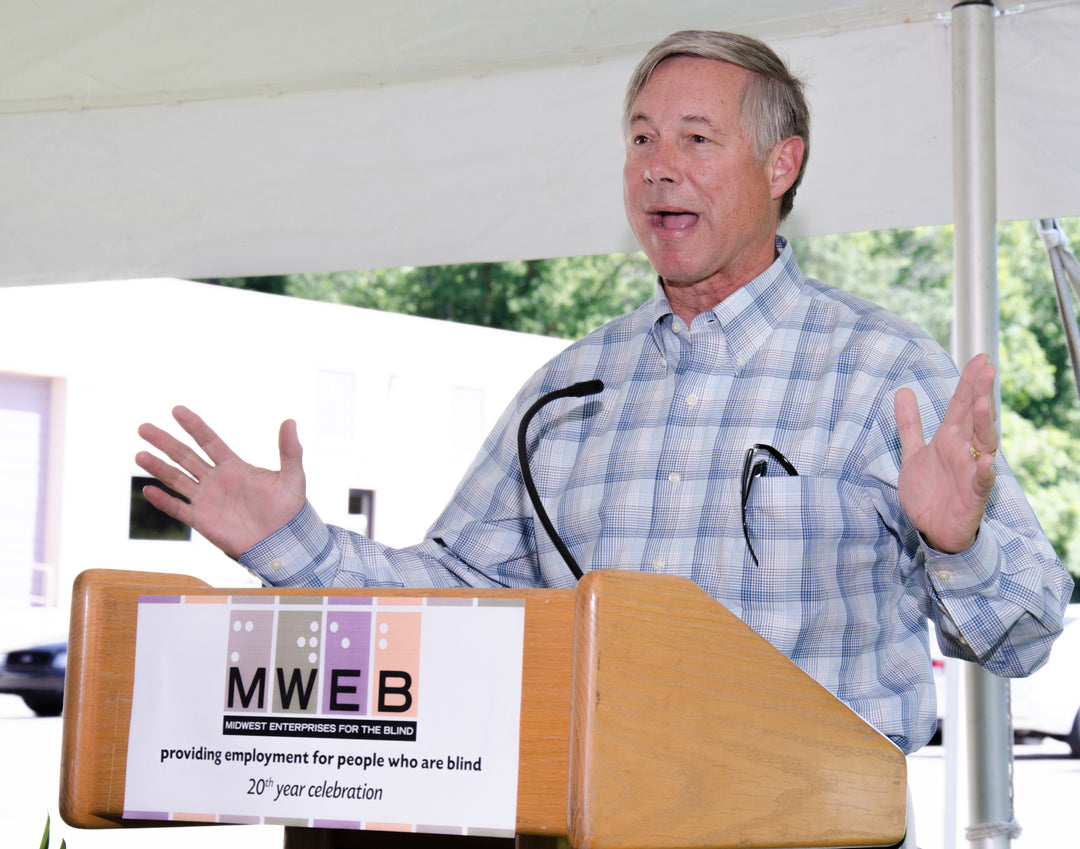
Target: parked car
x,y
1045,703
37,674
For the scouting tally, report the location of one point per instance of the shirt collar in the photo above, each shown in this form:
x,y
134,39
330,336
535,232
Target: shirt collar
x,y
748,315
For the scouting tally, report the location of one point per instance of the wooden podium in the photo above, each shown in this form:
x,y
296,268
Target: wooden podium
x,y
651,718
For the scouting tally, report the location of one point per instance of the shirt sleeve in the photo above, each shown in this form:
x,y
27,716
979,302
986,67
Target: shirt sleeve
x,y
307,552
1001,603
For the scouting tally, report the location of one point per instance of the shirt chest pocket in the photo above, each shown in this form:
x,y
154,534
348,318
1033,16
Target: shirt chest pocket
x,y
804,529
815,541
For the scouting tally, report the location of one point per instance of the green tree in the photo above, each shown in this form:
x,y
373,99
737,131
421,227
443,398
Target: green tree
x,y
564,297
273,285
1040,410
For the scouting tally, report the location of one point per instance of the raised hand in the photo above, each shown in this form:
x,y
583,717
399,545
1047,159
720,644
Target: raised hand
x,y
944,485
230,502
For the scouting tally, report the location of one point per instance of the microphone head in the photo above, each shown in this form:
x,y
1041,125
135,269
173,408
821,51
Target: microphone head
x,y
586,387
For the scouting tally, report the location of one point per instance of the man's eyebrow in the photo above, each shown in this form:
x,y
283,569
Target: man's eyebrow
x,y
692,119
699,120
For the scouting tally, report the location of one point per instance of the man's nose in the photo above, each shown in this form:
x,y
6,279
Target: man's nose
x,y
662,165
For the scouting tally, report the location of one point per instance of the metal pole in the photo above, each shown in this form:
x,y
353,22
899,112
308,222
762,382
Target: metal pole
x,y
974,181
989,726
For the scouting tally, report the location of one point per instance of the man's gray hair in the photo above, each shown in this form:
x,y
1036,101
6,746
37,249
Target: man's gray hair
x,y
772,106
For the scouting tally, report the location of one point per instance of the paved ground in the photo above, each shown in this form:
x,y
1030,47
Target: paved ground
x,y
1047,785
29,788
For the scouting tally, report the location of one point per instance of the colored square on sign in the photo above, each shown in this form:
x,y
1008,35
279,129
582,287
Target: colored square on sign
x,y
299,640
251,634
396,669
347,659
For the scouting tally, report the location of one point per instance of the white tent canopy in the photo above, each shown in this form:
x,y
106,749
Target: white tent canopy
x,y
148,138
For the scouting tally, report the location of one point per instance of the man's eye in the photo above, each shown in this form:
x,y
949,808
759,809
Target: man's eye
x,y
696,139
639,139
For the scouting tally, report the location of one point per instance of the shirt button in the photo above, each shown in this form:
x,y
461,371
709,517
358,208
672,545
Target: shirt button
x,y
740,362
658,564
674,477
944,574
276,565
691,400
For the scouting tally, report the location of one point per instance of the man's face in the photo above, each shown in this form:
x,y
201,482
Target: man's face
x,y
701,208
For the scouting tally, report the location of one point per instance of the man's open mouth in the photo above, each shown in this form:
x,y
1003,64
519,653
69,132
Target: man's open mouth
x,y
672,220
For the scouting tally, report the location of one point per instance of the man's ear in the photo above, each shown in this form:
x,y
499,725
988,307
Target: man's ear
x,y
784,163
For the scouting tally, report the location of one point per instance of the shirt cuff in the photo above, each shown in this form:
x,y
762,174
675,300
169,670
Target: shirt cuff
x,y
972,571
291,555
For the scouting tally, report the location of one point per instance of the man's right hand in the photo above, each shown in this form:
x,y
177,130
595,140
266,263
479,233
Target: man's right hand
x,y
230,502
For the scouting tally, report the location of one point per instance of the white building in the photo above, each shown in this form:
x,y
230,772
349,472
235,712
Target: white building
x,y
389,407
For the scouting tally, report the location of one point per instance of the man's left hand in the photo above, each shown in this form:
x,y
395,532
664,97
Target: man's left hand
x,y
944,485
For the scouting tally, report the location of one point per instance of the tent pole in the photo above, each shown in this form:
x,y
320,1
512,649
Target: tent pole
x,y
975,329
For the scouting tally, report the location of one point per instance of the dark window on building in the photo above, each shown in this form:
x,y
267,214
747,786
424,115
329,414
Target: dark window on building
x,y
146,521
362,511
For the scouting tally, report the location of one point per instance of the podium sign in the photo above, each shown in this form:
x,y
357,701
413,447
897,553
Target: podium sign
x,y
634,712
388,713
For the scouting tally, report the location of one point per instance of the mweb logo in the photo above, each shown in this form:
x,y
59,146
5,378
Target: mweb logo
x,y
341,668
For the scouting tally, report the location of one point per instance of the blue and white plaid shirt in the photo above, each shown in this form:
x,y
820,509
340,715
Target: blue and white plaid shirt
x,y
647,475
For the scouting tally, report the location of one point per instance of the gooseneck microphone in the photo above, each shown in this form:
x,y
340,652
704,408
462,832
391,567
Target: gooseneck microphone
x,y
577,390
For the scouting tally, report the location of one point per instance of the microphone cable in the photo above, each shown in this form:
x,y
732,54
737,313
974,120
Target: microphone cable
x,y
578,390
